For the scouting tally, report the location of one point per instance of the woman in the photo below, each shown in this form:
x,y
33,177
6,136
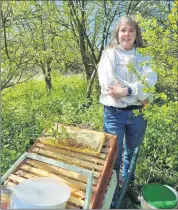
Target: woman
x,y
122,89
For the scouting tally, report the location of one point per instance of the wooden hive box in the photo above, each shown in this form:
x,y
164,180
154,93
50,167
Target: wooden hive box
x,y
100,165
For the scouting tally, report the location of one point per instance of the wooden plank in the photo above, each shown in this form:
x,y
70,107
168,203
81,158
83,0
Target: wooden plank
x,y
9,183
25,174
41,173
75,185
66,159
51,167
101,155
105,150
16,179
69,206
60,171
78,202
71,153
107,144
57,170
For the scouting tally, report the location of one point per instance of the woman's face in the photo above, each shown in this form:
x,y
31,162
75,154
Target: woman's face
x,y
127,36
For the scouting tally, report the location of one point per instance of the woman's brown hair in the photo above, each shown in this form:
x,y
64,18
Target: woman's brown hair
x,y
131,21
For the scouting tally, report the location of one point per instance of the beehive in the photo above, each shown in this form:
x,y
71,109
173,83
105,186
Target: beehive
x,y
101,165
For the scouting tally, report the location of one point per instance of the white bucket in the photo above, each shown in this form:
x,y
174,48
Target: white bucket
x,y
40,193
146,205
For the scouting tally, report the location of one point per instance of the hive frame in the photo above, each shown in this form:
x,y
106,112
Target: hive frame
x,y
63,165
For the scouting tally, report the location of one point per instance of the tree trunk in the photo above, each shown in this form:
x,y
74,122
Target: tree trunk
x,y
89,88
48,83
47,75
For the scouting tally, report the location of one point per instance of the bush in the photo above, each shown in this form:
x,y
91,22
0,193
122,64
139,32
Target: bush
x,y
158,160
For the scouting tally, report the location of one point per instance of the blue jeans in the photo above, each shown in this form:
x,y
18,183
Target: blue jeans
x,y
125,123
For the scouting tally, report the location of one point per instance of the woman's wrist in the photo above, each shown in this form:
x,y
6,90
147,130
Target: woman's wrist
x,y
129,91
125,91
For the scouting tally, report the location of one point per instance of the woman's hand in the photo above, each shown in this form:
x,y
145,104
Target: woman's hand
x,y
145,102
117,91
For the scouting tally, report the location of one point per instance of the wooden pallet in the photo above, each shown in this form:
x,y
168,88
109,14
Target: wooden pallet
x,y
100,165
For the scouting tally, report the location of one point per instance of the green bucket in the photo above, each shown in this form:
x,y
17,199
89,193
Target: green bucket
x,y
157,196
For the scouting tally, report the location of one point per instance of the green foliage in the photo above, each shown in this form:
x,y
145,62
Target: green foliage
x,y
35,41
28,109
161,45
159,155
62,135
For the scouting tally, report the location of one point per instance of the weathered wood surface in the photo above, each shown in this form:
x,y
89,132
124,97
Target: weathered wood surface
x,y
78,182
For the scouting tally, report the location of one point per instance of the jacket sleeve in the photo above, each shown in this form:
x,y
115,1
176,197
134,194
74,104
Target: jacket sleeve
x,y
105,70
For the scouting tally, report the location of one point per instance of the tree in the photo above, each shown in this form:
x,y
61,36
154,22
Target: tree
x,y
16,59
87,31
33,42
